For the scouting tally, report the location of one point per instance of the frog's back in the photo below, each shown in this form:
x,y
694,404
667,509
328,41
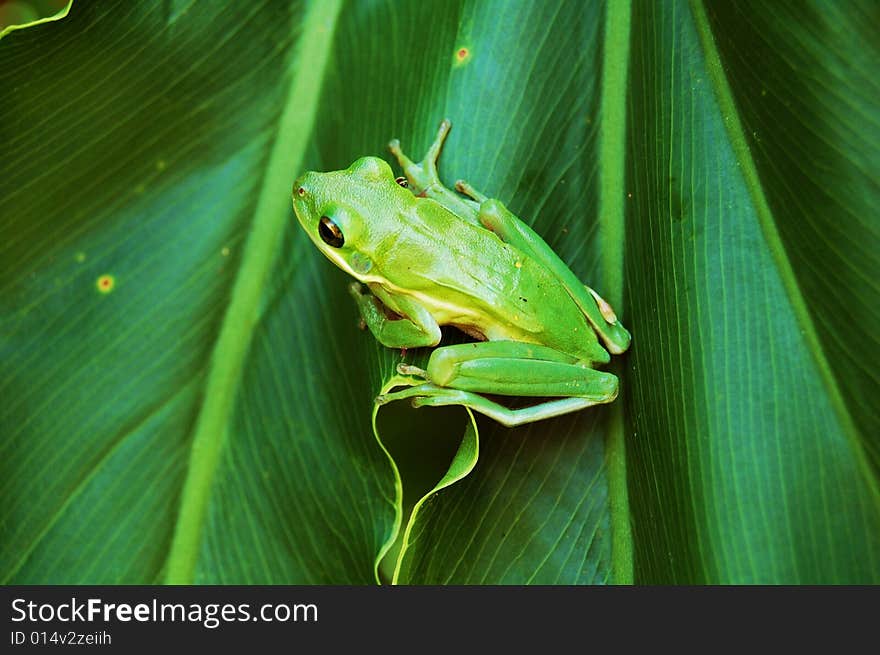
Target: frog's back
x,y
491,290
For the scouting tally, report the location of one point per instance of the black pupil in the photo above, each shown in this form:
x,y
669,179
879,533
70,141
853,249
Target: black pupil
x,y
330,233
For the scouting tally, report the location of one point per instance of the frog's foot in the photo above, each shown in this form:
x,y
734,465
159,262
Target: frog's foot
x,y
414,392
422,176
463,187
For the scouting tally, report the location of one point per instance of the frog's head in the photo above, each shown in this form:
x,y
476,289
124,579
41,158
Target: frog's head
x,y
347,213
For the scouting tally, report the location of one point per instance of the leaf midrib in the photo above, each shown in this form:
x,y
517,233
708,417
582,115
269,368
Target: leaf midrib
x,y
270,216
612,167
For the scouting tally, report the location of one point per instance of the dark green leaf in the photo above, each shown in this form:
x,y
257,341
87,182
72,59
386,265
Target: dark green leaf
x,y
746,463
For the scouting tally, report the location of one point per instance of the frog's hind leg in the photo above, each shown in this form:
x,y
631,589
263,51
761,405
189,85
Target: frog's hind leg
x,y
457,375
496,217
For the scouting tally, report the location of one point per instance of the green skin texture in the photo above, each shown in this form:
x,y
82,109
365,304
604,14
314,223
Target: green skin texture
x,y
432,257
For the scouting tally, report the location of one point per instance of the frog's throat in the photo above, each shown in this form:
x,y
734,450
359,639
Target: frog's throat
x,y
336,257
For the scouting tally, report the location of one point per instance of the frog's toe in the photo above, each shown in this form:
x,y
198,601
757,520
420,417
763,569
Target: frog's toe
x,y
464,187
409,369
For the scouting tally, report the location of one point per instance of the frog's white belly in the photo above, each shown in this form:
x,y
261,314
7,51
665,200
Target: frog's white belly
x,y
474,320
480,316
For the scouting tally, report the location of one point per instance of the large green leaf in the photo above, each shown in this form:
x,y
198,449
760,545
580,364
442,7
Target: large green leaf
x,y
185,395
745,422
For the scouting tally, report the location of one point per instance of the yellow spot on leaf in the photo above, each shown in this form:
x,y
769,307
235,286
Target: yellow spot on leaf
x,y
105,283
80,257
518,264
462,55
160,165
225,251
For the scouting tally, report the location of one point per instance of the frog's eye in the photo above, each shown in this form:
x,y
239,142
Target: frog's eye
x,y
330,233
402,181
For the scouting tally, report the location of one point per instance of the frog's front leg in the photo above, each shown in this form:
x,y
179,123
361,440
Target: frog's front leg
x,y
410,326
457,375
424,180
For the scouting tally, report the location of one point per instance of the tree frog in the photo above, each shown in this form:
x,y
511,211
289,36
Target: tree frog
x,y
430,257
